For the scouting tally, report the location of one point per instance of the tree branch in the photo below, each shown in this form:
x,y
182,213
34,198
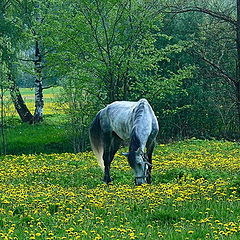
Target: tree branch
x,y
47,87
26,60
222,72
7,4
117,19
219,15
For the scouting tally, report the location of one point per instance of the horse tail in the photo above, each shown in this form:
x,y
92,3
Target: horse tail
x,y
96,139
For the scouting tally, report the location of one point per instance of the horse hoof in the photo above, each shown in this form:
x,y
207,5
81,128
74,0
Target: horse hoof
x,y
149,181
107,180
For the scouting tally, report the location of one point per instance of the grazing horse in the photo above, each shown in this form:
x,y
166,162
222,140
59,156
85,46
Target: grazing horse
x,y
122,120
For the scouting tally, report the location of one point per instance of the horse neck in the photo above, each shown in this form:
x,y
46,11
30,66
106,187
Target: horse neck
x,y
138,125
135,142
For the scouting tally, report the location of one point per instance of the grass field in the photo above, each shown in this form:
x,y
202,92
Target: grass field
x,y
50,104
48,137
195,195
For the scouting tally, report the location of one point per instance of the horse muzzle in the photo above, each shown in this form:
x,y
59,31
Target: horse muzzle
x,y
140,180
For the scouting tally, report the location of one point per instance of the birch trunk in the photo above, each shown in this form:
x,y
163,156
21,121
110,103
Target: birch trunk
x,y
39,103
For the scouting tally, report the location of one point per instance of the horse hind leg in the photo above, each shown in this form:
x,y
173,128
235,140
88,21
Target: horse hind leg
x,y
106,157
116,142
112,144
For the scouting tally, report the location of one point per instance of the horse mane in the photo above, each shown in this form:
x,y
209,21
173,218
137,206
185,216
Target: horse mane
x,y
139,110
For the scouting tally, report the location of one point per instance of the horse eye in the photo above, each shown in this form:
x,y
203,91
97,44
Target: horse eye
x,y
139,162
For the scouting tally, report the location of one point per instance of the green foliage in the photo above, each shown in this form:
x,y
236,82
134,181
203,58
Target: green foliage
x,y
114,45
206,106
102,51
111,50
79,107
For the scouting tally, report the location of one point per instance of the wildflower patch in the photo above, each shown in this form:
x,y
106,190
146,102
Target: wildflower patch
x,y
195,195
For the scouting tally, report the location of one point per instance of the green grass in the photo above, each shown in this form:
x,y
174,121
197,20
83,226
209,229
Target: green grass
x,y
195,192
47,137
195,195
50,104
30,91
49,94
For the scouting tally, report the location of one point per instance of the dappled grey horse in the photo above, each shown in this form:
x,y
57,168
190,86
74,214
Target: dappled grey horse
x,y
124,120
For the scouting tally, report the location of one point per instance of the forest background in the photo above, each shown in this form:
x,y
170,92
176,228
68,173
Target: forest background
x,y
183,56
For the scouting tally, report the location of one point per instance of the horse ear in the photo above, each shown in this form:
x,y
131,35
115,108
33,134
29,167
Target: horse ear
x,y
125,154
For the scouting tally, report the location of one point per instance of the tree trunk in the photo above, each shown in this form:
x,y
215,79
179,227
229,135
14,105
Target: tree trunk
x,y
237,83
19,103
38,114
2,125
237,86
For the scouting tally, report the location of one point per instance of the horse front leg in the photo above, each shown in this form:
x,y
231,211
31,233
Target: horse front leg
x,y
149,158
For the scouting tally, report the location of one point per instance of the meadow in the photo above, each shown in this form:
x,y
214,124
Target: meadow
x,y
49,137
195,195
50,104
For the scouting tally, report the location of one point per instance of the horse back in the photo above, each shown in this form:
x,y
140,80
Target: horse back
x,y
122,117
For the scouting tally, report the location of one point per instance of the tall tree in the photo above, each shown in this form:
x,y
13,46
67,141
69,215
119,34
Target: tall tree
x,y
227,14
31,15
11,34
113,43
108,50
25,19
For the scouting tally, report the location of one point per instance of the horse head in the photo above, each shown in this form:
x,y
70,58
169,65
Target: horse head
x,y
139,163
